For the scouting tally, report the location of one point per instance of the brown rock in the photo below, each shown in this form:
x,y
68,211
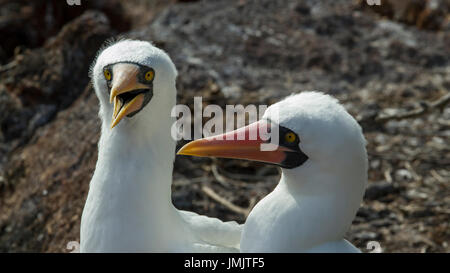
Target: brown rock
x,y
51,177
40,82
265,50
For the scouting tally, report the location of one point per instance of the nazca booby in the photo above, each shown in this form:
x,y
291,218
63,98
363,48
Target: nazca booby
x,y
323,159
129,207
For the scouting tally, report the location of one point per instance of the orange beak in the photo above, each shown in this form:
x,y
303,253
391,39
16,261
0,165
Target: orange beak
x,y
244,143
125,80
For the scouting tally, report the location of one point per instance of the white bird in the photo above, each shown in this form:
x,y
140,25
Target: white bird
x,y
324,174
129,207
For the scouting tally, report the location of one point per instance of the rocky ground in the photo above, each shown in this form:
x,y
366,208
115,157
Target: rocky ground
x,y
388,64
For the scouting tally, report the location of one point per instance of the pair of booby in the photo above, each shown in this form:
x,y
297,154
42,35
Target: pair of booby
x,y
321,152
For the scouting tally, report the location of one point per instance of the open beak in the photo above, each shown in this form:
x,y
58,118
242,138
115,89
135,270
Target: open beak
x,y
127,93
243,143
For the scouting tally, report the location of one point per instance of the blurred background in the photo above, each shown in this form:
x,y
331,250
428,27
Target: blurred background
x,y
388,64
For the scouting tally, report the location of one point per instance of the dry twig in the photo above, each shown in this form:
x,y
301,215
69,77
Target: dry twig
x,y
425,108
224,181
224,202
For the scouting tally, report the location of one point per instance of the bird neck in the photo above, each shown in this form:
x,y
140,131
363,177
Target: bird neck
x,y
144,158
327,202
134,166
129,203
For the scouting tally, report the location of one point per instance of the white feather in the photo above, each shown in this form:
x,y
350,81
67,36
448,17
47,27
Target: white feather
x,y
314,204
129,208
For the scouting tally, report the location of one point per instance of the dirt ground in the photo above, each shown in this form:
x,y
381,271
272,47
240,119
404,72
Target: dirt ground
x,y
389,65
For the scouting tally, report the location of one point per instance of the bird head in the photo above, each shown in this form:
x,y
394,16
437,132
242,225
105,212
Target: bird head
x,y
132,80
316,135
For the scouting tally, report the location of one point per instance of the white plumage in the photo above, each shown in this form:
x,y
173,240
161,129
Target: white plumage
x,y
129,208
314,204
324,174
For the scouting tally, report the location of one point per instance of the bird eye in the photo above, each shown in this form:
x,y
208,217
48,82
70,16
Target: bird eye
x,y
290,137
107,74
149,75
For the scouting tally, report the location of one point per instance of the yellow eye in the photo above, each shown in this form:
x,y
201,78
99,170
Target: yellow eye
x,y
149,75
290,137
107,74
